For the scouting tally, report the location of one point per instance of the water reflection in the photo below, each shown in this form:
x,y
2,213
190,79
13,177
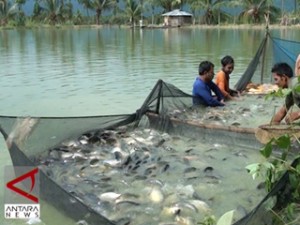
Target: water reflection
x,y
72,72
79,69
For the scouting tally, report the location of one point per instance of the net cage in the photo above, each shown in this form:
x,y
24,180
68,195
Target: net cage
x,y
270,51
158,165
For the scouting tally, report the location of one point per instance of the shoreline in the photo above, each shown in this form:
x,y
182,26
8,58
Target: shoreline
x,y
197,26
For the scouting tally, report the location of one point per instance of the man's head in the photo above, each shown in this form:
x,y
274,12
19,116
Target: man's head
x,y
206,70
281,73
227,64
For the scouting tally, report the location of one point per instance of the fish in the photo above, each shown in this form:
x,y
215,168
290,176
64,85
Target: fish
x,y
208,169
66,155
187,190
81,222
119,154
112,163
171,211
122,221
129,202
201,206
71,144
156,182
109,196
240,154
156,195
184,220
190,169
34,221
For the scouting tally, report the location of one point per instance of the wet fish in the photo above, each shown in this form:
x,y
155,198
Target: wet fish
x,y
201,206
156,182
156,195
34,221
94,162
112,163
172,210
122,221
184,220
190,169
127,202
208,169
81,222
109,196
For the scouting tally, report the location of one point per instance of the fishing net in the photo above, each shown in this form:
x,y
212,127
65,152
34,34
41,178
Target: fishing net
x,y
164,163
285,51
282,50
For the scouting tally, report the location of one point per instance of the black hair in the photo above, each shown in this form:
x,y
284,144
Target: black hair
x,y
282,69
205,66
227,60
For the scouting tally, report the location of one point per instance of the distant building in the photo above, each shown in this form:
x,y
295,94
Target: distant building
x,y
177,18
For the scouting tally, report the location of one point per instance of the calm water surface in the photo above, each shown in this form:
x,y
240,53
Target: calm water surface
x,y
78,72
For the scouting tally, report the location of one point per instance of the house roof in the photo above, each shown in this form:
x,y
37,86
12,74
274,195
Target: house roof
x,y
177,12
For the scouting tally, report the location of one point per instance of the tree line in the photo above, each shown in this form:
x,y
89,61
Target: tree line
x,y
129,12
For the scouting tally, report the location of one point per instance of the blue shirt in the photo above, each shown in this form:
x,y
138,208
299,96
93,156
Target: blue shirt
x,y
202,93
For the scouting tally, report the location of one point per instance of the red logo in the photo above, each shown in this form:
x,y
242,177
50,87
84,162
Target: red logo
x,y
31,175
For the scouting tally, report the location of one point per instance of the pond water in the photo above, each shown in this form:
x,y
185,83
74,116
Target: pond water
x,y
101,71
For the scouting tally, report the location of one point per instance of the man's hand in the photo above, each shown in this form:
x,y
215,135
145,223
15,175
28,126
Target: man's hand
x,y
291,117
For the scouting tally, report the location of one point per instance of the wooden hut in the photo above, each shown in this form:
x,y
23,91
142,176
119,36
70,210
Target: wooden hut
x,y
177,18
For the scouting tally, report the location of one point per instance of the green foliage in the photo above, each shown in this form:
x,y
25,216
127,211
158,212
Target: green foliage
x,y
208,220
132,11
276,164
273,168
226,219
280,93
205,11
254,11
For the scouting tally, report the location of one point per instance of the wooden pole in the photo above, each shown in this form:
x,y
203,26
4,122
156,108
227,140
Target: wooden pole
x,y
265,48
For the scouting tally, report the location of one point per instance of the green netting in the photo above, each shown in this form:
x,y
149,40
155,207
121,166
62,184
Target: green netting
x,y
282,51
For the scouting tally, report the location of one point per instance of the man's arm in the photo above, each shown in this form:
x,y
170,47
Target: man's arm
x,y
291,117
289,102
205,94
279,115
216,90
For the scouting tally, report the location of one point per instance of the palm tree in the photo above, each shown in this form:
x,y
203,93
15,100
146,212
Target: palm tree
x,y
14,11
167,5
150,7
256,10
54,10
37,10
68,11
3,12
3,7
212,10
179,3
20,3
86,4
99,6
132,10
